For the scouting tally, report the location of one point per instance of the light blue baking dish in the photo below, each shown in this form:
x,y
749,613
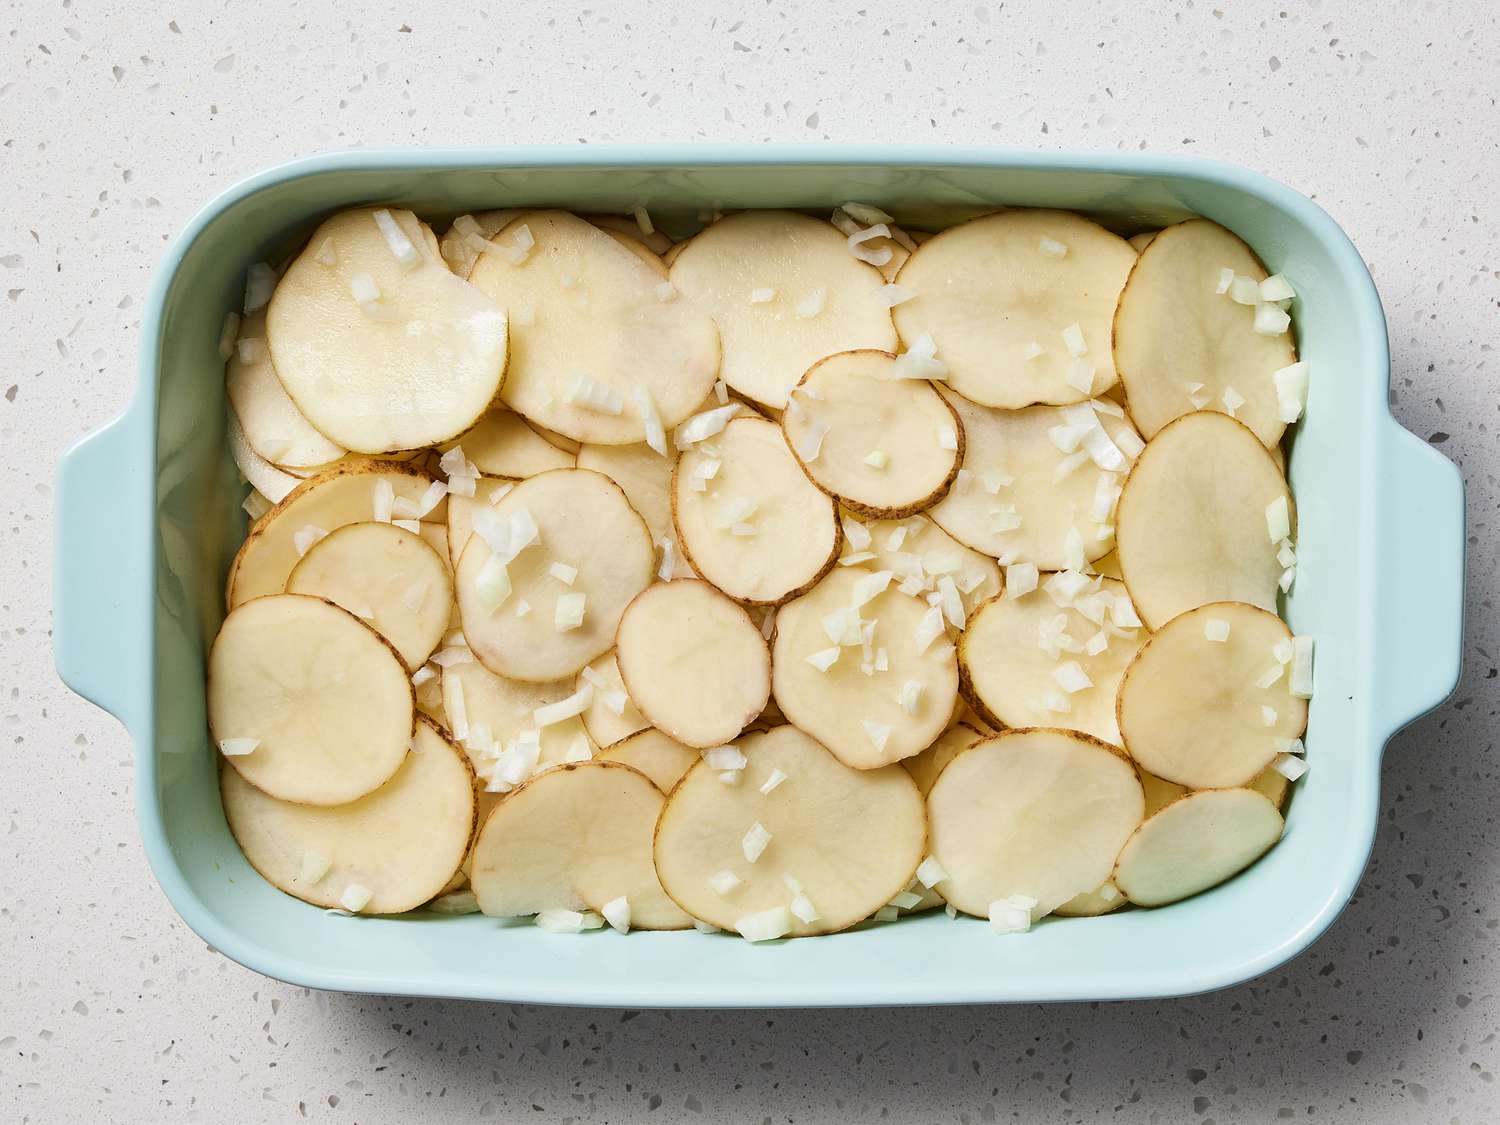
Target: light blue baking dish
x,y
148,517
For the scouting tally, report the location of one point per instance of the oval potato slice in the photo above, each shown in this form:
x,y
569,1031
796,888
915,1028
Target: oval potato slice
x,y
583,521
1192,519
693,662
1176,336
576,275
989,294
1196,843
605,724
851,839
917,549
1159,793
880,444
1041,813
645,476
1191,709
271,422
661,758
758,486
925,767
576,836
326,697
768,344
501,444
403,842
387,577
356,367
859,716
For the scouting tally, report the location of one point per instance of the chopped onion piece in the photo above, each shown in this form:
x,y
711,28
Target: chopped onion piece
x,y
1052,248
1270,676
1291,391
228,333
1066,438
930,872
1290,768
1267,715
617,910
1244,290
564,709
1032,350
562,572
455,707
453,654
892,295
1286,555
857,558
803,908
952,605
1096,644
1071,677
1226,279
1216,629
911,696
1278,520
811,305
314,866
568,921
1301,682
401,247
568,613
767,925
878,733
643,220
724,758
1073,340
355,898
260,283
520,246
1020,578
304,537
866,213
1232,400
947,438
590,394
492,584
877,459
754,842
905,900
252,349
363,289
1288,576
1270,320
920,361
656,434
1080,375
1069,465
705,927
856,533
704,425
885,914
1276,288
857,240
423,675
668,558
824,659
722,882
1008,919
1283,650
929,629
237,747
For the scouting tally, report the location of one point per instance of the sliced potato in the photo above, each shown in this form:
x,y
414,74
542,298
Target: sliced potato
x,y
1040,813
503,445
552,437
693,662
343,495
655,242
272,424
387,577
881,444
1192,524
585,530
359,342
1191,708
850,839
785,291
999,305
925,767
1104,899
1026,662
645,477
866,715
1108,566
611,715
576,836
1196,843
918,551
464,241
758,529
273,483
1176,337
661,758
402,842
1159,793
635,342
1021,498
1139,242
324,698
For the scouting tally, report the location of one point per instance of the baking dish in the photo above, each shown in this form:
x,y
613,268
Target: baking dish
x,y
148,518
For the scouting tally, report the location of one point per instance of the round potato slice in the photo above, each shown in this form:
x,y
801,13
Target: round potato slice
x,y
850,839
360,338
610,715
387,577
323,697
569,554
576,836
1031,660
920,554
1019,304
1193,525
1139,242
469,237
645,476
1191,707
1159,793
925,767
343,495
273,483
785,291
661,758
757,529
1040,813
881,444
1178,339
1104,899
503,445
1034,479
590,384
656,242
272,424
888,693
403,842
1196,843
693,662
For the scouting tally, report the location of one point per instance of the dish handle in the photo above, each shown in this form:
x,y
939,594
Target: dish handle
x,y
1419,593
101,586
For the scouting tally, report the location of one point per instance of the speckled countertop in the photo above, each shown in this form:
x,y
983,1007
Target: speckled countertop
x,y
117,120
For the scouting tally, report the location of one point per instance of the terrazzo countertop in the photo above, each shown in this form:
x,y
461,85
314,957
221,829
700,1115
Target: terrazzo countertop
x,y
119,120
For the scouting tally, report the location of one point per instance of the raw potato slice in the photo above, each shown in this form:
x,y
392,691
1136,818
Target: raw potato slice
x,y
403,842
576,836
925,767
462,249
768,344
870,439
325,696
1109,566
552,437
794,532
388,578
1040,813
1142,240
272,424
656,242
1018,446
919,549
851,839
645,476
1196,843
1192,519
264,477
664,760
343,495
503,445
487,493
989,294
1011,678
1159,793
1174,330
605,726
670,255
591,309
1190,708
583,521
859,715
693,662
1105,899
415,364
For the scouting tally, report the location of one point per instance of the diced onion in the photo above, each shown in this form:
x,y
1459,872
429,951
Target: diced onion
x,y
401,247
1267,715
775,778
920,361
855,533
355,898
905,900
878,733
1072,337
1071,677
1032,350
237,747
1008,919
1278,520
767,925
564,709
363,289
867,213
811,305
314,866
1301,681
1020,578
228,332
705,425
724,758
251,349
1290,768
1270,676
947,438
857,240
588,393
892,295
617,910
1080,375
930,872
1291,391
1069,465
1216,629
656,434
910,697
304,537
1226,279
1276,288
1052,248
877,459
260,283
1244,290
562,572
722,882
824,659
520,246
755,841
568,612
1270,320
1232,400
492,584
805,911
810,445
568,921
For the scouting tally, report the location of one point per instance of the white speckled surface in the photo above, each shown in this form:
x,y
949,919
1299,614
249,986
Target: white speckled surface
x,y
118,120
